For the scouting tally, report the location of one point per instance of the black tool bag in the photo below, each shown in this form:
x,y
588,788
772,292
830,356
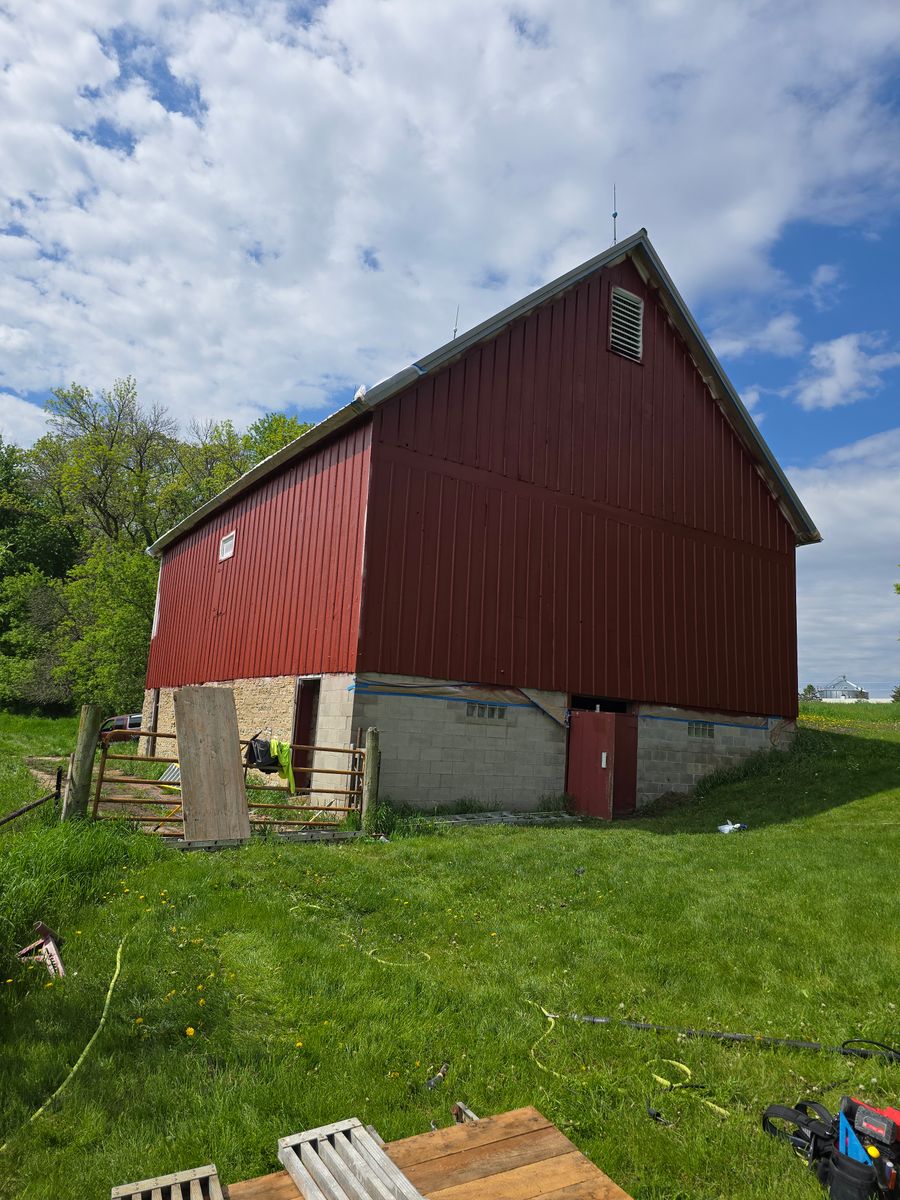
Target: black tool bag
x,y
259,755
809,1127
813,1132
851,1180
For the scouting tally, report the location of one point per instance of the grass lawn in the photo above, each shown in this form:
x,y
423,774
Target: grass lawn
x,y
50,738
322,982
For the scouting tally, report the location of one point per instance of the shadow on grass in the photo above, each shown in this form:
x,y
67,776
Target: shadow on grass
x,y
822,771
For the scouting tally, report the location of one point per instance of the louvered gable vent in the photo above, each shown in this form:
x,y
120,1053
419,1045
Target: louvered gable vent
x,y
626,324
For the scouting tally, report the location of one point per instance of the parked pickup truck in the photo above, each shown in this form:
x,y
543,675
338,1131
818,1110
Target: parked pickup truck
x,y
120,727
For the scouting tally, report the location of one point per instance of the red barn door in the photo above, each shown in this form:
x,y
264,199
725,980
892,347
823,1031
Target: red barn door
x,y
602,767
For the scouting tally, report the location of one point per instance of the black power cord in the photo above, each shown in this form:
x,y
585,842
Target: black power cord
x,y
852,1047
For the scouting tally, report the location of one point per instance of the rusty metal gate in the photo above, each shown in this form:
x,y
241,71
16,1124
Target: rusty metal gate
x,y
263,813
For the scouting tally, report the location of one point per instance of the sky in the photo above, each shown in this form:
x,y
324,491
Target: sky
x,y
258,205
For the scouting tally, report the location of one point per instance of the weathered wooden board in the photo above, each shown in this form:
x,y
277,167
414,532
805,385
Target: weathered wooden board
x,y
213,797
200,1182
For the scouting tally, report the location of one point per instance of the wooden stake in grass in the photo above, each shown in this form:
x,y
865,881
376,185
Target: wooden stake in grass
x,y
79,785
370,774
86,1051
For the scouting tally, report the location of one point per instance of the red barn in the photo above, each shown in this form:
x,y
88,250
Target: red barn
x,y
553,555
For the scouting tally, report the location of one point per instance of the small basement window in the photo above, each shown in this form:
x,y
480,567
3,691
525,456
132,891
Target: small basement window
x,y
626,324
701,729
226,546
487,712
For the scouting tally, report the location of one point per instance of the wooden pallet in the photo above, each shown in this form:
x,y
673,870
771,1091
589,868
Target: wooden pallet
x,y
518,1155
343,1161
202,1183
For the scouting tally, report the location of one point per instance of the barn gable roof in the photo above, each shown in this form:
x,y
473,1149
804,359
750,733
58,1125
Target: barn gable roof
x,y
639,249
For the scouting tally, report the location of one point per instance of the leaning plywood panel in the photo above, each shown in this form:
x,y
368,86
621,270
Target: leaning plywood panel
x,y
214,800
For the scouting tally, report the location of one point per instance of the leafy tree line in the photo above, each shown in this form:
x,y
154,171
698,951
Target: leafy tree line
x,y
77,512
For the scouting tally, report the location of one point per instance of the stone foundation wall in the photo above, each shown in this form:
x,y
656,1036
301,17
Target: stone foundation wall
x,y
435,751
266,704
677,746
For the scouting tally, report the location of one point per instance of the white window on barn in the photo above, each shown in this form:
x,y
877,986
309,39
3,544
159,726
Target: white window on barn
x,y
626,324
226,546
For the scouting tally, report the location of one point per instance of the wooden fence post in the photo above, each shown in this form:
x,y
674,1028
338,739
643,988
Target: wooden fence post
x,y
371,769
78,785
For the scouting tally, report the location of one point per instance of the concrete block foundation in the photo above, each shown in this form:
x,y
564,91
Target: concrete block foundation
x,y
443,742
678,746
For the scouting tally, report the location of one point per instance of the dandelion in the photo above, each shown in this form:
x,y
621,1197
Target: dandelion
x,y
190,1031
9,981
201,1001
138,1020
199,987
298,1044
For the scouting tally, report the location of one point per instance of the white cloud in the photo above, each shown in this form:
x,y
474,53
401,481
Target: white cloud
x,y
21,422
780,336
846,369
825,285
219,243
848,613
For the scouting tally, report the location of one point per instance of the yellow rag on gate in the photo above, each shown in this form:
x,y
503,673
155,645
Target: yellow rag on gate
x,y
282,751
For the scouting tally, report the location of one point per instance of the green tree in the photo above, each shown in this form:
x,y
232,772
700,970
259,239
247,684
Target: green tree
x,y
31,608
809,693
105,630
109,461
217,454
31,534
270,434
77,512
895,694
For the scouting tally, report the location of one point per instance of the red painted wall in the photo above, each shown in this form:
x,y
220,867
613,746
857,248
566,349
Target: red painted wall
x,y
288,601
544,513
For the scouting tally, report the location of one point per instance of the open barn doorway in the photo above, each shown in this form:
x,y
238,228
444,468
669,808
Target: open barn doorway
x,y
306,715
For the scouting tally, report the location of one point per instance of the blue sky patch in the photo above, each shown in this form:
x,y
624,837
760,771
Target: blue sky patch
x,y
143,59
536,33
108,135
369,258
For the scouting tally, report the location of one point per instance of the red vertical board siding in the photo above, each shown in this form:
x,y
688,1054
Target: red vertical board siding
x,y
545,513
288,602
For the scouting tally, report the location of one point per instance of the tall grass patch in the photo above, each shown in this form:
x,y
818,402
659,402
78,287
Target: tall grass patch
x,y
48,871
